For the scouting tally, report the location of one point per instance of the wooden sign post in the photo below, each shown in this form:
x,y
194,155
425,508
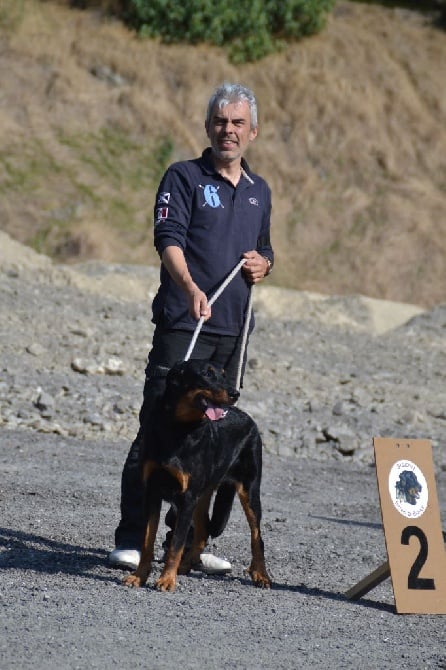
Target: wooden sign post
x,y
412,528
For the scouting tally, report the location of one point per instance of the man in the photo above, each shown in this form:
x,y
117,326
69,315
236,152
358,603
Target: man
x,y
210,213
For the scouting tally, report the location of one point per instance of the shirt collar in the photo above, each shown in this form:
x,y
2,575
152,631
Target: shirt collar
x,y
208,165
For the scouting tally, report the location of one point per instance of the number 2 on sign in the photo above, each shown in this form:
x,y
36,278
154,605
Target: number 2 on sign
x,y
413,580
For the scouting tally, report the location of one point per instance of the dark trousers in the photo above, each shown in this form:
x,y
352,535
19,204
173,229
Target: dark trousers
x,y
168,348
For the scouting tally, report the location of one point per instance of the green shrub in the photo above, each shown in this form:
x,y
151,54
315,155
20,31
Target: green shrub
x,y
250,29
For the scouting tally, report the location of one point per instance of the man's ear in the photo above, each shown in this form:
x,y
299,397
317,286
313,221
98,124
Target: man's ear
x,y
253,133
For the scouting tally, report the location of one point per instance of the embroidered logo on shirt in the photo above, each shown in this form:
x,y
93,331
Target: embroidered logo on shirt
x,y
211,196
254,201
163,198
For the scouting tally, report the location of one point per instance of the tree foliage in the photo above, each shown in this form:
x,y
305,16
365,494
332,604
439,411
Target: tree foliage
x,y
249,29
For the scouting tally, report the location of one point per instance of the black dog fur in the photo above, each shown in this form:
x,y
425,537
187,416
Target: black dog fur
x,y
196,443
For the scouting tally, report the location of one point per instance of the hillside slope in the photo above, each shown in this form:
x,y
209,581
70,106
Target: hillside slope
x,y
352,142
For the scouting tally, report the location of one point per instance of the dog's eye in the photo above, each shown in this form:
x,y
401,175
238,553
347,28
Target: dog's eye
x,y
210,372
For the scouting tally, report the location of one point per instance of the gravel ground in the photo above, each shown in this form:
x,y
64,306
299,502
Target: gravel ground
x,y
323,380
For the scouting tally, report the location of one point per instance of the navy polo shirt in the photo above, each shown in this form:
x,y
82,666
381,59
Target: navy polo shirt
x,y
214,223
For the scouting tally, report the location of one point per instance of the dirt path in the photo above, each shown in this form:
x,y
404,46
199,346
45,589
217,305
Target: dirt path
x,y
63,607
321,382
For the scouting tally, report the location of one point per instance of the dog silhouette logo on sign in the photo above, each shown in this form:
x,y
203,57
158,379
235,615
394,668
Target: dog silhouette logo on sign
x,y
408,488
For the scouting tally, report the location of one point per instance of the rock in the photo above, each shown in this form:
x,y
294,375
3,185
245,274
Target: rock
x,y
114,366
35,349
45,403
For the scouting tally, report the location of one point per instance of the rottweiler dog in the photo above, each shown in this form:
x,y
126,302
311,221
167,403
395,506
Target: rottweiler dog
x,y
197,443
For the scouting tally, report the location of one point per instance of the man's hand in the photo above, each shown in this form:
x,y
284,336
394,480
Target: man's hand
x,y
198,304
256,267
175,263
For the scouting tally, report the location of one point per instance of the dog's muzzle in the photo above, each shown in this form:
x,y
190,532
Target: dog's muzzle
x,y
213,411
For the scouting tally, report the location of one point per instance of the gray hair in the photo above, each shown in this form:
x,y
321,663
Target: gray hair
x,y
230,93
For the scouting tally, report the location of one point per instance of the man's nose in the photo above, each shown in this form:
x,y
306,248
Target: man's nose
x,y
229,127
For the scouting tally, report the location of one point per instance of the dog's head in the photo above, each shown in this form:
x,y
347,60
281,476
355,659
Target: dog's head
x,y
408,487
196,390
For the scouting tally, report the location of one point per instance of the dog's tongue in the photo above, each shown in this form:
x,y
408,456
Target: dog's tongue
x,y
215,413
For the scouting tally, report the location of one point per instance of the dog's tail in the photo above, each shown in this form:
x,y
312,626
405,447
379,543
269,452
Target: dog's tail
x,y
221,510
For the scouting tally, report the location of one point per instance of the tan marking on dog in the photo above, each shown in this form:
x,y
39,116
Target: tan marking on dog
x,y
186,411
139,577
181,477
257,569
168,578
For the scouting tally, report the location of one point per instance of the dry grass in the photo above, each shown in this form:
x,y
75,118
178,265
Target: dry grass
x,y
352,142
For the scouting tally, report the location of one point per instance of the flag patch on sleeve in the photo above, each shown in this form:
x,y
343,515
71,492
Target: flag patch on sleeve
x,y
161,214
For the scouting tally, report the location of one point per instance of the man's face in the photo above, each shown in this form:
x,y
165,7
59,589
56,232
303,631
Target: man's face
x,y
230,132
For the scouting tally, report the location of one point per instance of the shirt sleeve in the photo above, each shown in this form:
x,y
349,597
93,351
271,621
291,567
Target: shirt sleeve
x,y
172,212
264,247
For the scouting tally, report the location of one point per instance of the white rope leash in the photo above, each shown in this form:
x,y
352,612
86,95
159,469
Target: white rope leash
x,y
244,339
216,295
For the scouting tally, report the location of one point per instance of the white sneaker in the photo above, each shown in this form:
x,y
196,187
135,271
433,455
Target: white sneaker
x,y
124,558
213,565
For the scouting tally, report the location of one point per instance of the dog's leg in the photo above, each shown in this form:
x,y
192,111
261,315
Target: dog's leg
x,y
222,507
168,578
201,533
139,577
250,499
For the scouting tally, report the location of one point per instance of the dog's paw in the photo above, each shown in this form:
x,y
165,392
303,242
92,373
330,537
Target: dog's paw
x,y
166,583
133,581
260,579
